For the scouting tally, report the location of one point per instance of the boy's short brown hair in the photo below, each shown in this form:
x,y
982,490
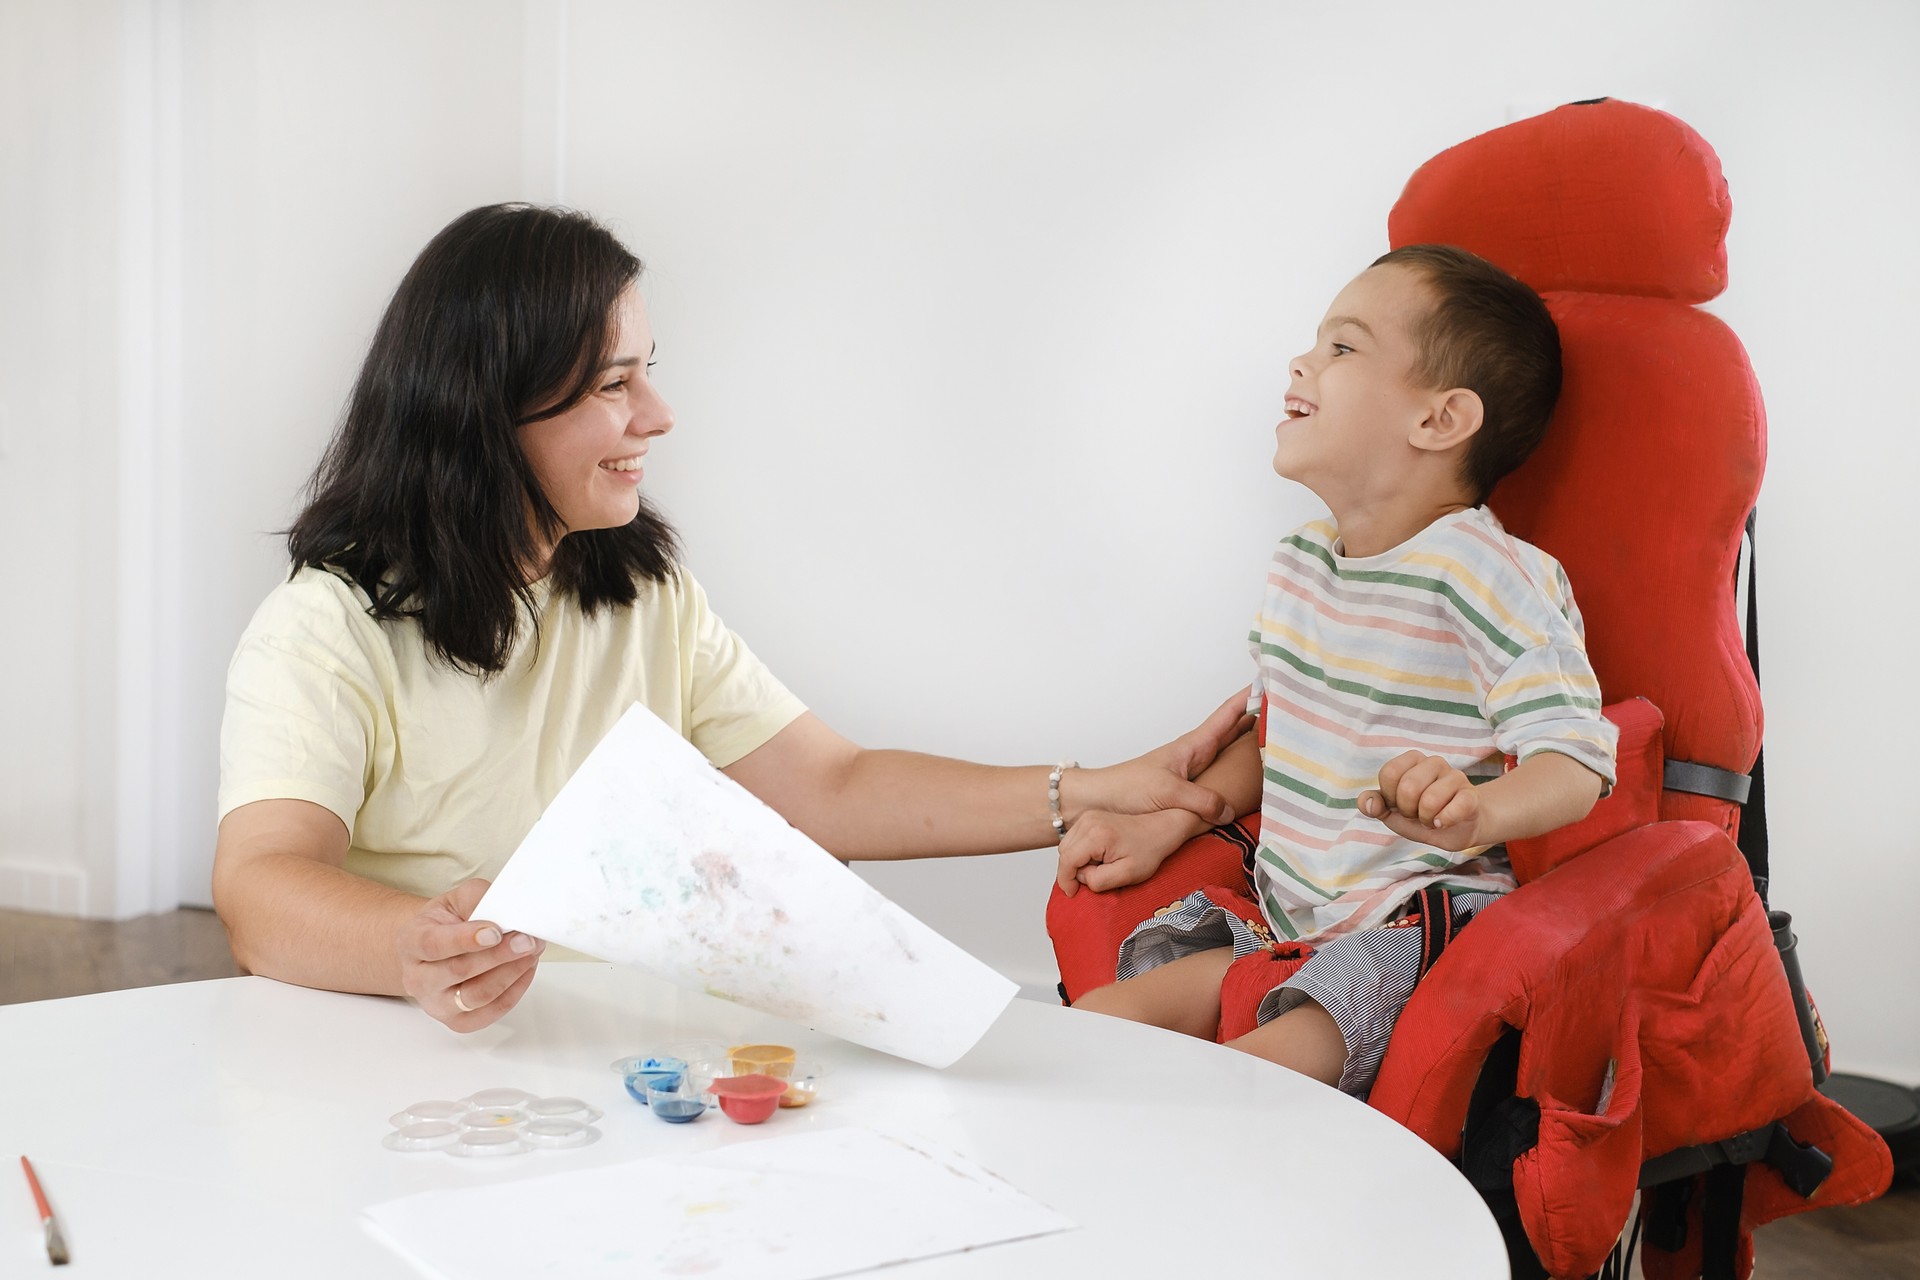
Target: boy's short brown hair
x,y
1491,334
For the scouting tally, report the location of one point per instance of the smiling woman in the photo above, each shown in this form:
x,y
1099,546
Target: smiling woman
x,y
588,455
479,590
497,383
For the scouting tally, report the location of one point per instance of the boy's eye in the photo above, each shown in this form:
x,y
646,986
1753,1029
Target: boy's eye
x,y
1341,349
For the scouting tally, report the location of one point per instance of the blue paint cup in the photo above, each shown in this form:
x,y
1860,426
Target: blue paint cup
x,y
674,1102
650,1071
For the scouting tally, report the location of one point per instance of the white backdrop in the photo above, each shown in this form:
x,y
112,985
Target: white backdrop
x,y
975,318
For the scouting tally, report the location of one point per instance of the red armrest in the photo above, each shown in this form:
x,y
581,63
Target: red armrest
x,y
1633,802
1087,928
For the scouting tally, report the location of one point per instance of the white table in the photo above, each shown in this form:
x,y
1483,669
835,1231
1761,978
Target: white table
x,y
232,1128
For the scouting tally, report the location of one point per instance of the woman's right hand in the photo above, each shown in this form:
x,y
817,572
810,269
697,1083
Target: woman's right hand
x,y
464,972
1112,850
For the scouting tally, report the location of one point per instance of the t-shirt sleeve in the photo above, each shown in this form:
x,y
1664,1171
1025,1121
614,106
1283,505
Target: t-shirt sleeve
x,y
735,703
1548,699
300,714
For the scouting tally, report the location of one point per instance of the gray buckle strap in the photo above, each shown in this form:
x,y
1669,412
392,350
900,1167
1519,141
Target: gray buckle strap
x,y
1706,780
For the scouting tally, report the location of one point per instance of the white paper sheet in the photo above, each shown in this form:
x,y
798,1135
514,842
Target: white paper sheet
x,y
795,1208
651,857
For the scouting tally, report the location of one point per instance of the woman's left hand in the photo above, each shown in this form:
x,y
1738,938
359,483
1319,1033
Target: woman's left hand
x,y
1162,778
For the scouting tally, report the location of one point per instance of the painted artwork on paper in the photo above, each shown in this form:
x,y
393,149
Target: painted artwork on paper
x,y
651,857
830,1203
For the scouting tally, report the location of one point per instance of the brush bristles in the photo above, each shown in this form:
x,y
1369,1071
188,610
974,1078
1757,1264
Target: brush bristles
x,y
56,1244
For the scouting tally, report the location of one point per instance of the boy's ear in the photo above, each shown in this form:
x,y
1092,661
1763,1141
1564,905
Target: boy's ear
x,y
1451,421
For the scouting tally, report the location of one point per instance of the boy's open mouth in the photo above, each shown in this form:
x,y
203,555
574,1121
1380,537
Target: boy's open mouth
x,y
1298,408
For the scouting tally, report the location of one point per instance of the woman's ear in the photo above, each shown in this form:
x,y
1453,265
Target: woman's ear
x,y
1453,419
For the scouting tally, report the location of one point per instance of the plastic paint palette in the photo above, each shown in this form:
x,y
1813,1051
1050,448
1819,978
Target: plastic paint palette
x,y
493,1122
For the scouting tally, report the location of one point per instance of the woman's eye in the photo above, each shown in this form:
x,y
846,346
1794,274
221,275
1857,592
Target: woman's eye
x,y
618,384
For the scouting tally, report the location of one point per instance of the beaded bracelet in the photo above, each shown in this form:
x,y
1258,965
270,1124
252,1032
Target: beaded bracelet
x,y
1053,797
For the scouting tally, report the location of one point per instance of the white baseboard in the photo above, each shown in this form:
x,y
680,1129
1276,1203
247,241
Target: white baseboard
x,y
48,888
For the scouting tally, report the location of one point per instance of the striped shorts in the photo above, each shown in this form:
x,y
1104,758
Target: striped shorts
x,y
1363,979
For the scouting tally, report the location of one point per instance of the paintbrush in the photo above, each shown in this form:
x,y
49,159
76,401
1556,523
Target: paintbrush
x,y
56,1243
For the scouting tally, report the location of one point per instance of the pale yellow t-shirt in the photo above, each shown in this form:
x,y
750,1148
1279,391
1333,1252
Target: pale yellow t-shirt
x,y
438,774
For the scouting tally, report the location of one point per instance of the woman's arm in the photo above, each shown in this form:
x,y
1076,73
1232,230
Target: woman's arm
x,y
294,913
861,804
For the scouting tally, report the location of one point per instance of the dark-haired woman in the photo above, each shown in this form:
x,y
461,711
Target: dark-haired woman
x,y
478,592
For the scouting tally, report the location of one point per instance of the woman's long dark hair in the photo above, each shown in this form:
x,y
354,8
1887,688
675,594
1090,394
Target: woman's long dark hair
x,y
423,496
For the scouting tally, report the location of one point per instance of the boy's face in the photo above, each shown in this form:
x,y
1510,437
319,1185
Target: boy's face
x,y
1352,402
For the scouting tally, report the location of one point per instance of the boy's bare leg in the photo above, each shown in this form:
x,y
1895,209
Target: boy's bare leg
x,y
1305,1038
1181,995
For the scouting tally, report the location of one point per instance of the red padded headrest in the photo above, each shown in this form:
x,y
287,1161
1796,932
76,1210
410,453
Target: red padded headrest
x,y
1593,197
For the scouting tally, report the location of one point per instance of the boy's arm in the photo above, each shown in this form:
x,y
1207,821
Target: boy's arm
x,y
1108,850
1426,799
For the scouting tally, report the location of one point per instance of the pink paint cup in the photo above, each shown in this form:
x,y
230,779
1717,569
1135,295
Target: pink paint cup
x,y
748,1099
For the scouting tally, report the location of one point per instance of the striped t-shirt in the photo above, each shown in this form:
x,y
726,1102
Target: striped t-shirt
x,y
1462,642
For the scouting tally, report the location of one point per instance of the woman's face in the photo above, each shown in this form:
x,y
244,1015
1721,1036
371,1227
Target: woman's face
x,y
588,459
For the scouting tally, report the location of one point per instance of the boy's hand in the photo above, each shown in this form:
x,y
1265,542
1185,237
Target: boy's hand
x,y
1424,798
1110,850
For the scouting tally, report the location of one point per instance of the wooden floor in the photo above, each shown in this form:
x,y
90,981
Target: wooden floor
x,y
46,957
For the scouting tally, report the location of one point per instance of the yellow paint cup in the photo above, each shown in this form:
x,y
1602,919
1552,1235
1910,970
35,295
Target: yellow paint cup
x,y
774,1060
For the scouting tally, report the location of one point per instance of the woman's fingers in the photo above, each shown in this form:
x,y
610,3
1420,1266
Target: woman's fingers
x,y
1197,748
483,1000
471,964
460,970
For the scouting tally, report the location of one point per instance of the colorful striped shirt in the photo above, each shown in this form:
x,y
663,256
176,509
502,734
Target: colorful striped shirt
x,y
1462,642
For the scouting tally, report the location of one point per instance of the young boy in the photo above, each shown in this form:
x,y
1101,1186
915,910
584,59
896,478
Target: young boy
x,y
1404,646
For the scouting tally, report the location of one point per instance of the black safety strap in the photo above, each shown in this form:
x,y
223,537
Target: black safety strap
x,y
1234,835
1435,906
1801,1165
1706,780
1720,1221
1753,816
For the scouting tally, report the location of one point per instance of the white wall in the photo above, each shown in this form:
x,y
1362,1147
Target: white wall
x,y
975,319
68,279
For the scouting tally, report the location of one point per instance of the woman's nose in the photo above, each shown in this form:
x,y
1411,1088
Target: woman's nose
x,y
652,416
